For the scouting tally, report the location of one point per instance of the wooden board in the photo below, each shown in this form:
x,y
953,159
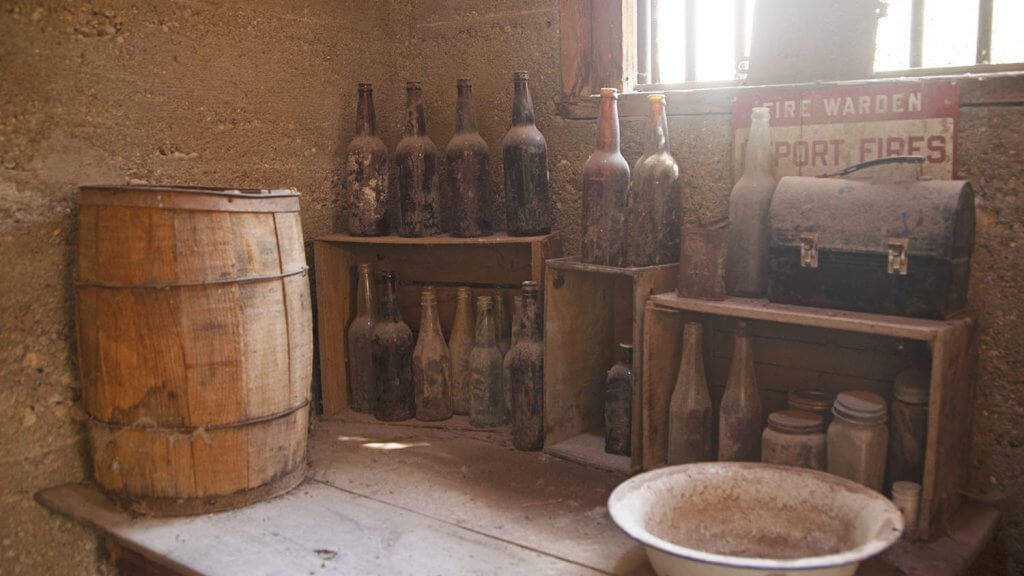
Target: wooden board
x,y
588,449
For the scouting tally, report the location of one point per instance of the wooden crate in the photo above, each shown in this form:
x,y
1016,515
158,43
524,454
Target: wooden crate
x,y
498,261
588,310
799,347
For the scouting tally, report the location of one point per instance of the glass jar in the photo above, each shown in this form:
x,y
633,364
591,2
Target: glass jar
x,y
908,426
794,438
816,401
857,438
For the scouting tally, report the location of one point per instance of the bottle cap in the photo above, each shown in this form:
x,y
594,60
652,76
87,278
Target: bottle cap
x,y
365,87
612,92
912,386
816,401
796,422
760,114
530,286
654,97
860,406
521,75
464,82
413,85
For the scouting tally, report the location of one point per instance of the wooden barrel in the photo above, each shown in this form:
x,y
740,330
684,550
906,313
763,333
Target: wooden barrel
x,y
194,344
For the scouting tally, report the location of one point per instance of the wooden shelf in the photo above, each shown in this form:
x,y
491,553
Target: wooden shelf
x,y
802,347
498,261
588,310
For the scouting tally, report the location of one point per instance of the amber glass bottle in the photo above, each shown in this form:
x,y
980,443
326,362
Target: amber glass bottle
x,y
486,397
419,202
652,206
431,364
460,344
468,166
366,173
618,403
525,157
690,424
526,372
362,382
740,420
605,185
392,358
746,268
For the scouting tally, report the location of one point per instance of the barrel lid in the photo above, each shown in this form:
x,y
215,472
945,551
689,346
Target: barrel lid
x,y
860,406
208,190
912,386
796,421
810,400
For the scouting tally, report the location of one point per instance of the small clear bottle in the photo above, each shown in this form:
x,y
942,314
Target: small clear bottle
x,y
794,438
857,438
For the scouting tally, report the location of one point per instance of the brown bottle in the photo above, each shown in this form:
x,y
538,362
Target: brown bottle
x,y
605,184
746,267
431,364
392,358
739,420
419,202
366,172
525,157
362,383
618,404
460,344
526,374
468,165
690,424
486,397
506,364
652,206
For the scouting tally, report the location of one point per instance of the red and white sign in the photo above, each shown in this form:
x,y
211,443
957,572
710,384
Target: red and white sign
x,y
820,131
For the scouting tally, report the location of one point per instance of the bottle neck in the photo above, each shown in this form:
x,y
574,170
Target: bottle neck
x,y
465,116
485,322
366,118
364,293
608,123
758,160
415,123
517,317
531,327
389,303
656,136
428,314
522,104
626,355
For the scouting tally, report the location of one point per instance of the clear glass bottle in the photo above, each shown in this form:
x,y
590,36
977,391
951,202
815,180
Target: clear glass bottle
x,y
468,167
431,364
362,383
460,344
740,420
502,328
652,205
525,155
366,173
392,358
794,438
746,269
486,397
419,201
527,375
506,365
690,416
618,404
605,185
857,438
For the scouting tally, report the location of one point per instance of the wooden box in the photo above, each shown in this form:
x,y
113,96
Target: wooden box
x,y
797,347
498,261
588,310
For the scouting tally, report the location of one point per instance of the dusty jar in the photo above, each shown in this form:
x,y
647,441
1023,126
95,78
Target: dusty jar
x,y
816,401
794,438
857,438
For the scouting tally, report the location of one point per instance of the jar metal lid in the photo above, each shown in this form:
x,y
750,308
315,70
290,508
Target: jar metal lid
x,y
912,386
860,406
817,401
796,422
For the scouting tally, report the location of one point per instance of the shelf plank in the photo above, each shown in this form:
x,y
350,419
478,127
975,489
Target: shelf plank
x,y
443,240
757,309
588,449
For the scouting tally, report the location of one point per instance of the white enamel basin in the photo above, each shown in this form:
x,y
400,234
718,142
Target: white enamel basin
x,y
742,518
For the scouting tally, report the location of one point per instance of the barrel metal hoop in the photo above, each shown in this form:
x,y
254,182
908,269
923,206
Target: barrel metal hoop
x,y
200,429
245,280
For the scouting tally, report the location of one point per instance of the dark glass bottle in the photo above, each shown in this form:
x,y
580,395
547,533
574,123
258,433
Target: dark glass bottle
x,y
690,424
362,382
605,185
525,154
746,267
618,403
486,397
392,358
419,202
431,364
740,421
366,173
526,373
652,206
468,166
